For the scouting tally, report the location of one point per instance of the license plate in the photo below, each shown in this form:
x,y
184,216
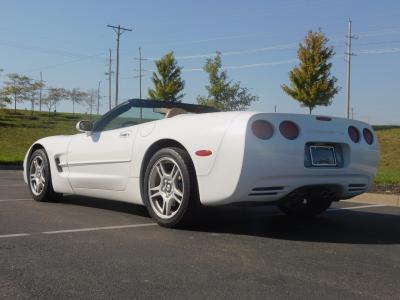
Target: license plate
x,y
323,156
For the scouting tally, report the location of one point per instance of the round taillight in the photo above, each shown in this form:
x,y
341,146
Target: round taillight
x,y
289,130
354,134
262,129
368,136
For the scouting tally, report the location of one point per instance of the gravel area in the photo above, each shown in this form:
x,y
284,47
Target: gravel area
x,y
385,189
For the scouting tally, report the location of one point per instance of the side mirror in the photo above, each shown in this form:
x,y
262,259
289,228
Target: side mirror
x,y
84,126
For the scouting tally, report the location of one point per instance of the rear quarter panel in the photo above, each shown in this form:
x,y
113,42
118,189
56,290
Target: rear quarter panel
x,y
194,132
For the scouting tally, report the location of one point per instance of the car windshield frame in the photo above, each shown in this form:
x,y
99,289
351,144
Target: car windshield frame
x,y
143,103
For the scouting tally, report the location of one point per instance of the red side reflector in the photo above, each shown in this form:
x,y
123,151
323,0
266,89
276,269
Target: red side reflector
x,y
203,152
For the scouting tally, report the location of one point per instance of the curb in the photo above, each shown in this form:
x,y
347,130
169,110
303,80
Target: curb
x,y
372,198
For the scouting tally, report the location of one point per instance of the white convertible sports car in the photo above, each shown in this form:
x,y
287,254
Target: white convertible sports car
x,y
172,157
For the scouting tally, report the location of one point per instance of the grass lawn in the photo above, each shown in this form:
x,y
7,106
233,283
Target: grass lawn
x,y
18,131
389,168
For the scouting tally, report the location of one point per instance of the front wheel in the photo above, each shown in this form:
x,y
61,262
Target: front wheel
x,y
39,177
170,189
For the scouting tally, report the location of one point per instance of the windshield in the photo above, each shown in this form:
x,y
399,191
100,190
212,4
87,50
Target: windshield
x,y
126,115
137,111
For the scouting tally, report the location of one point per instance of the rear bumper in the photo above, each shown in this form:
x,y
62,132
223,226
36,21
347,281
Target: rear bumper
x,y
267,190
271,179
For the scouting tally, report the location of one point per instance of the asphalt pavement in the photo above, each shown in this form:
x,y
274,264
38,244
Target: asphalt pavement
x,y
90,248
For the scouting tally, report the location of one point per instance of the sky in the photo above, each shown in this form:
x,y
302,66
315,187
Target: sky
x,y
68,42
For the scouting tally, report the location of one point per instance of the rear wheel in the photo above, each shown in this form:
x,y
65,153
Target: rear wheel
x,y
307,204
170,189
39,177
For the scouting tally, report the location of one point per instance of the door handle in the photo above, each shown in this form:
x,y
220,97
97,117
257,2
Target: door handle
x,y
125,134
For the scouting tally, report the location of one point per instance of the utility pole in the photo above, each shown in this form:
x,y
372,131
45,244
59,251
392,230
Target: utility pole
x,y
98,98
275,108
40,92
109,74
140,59
349,54
118,30
91,104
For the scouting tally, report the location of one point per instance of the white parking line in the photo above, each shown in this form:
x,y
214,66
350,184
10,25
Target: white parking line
x,y
356,207
14,235
79,230
99,228
336,209
143,224
10,200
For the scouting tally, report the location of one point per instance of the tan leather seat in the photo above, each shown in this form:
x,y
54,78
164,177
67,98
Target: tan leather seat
x,y
174,112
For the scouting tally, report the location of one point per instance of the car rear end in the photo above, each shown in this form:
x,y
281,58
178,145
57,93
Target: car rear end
x,y
285,154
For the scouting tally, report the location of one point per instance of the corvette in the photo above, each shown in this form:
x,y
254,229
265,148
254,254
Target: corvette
x,y
175,157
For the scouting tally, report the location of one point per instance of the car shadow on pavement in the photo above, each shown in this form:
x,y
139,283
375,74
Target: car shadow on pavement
x,y
336,226
117,206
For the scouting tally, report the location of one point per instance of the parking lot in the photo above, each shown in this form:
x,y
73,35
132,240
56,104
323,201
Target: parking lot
x,y
90,248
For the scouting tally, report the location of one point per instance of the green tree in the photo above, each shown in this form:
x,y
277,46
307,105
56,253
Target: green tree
x,y
224,94
4,99
168,84
54,95
33,90
311,82
90,100
16,89
76,96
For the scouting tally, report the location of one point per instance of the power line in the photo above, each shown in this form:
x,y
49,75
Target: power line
x,y
40,49
379,51
281,62
254,50
383,32
288,46
239,52
247,66
118,31
64,63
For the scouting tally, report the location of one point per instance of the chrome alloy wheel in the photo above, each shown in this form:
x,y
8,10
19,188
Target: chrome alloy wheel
x,y
36,176
165,187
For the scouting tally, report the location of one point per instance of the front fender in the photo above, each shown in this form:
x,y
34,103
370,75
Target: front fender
x,y
56,149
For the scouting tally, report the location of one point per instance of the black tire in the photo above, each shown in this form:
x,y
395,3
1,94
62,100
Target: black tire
x,y
47,193
309,204
185,213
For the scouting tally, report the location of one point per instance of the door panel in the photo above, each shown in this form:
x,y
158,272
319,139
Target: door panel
x,y
101,160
